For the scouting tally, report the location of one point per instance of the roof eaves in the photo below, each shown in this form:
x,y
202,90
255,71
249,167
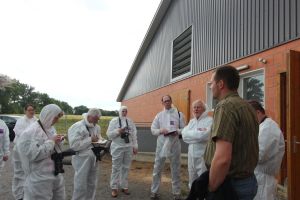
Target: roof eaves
x,y
158,17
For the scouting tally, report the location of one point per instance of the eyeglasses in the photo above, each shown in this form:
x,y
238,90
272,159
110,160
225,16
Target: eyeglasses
x,y
95,117
167,101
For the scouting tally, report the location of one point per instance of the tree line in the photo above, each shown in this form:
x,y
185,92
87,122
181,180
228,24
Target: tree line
x,y
14,95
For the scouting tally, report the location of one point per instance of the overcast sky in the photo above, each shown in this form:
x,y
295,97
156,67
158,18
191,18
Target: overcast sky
x,y
78,51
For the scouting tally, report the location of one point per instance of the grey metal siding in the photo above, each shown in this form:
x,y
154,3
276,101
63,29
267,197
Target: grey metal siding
x,y
223,31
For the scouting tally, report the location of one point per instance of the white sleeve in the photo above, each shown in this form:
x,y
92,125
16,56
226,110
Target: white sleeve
x,y
112,130
267,143
6,140
76,138
155,127
19,127
281,145
192,136
33,150
134,135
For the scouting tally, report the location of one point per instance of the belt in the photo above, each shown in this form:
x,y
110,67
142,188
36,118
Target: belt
x,y
244,176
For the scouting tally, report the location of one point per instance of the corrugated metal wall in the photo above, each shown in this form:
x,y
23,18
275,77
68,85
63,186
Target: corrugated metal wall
x,y
223,31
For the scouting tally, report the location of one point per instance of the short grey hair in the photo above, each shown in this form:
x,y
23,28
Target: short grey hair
x,y
94,112
200,102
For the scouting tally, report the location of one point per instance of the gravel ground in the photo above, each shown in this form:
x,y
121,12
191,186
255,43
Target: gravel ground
x,y
140,178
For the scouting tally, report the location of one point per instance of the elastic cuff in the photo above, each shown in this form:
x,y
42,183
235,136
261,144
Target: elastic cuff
x,y
50,141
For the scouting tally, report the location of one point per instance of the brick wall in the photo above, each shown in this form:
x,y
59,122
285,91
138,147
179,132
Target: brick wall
x,y
142,109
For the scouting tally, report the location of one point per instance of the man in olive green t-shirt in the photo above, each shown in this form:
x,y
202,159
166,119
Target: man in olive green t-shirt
x,y
232,149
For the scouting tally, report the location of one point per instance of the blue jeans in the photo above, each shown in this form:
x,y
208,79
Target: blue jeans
x,y
245,188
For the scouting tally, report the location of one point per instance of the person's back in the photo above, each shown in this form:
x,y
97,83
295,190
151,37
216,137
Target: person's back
x,y
271,154
271,151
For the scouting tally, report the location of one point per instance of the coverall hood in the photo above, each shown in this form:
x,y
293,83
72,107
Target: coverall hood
x,y
48,113
120,111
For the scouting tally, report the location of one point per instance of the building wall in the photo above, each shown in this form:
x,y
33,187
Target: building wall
x,y
222,31
143,108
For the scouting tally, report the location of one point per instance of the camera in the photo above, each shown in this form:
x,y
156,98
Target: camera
x,y
58,164
100,149
58,160
125,136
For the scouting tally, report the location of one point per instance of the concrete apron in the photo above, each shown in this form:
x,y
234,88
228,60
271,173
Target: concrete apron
x,y
149,157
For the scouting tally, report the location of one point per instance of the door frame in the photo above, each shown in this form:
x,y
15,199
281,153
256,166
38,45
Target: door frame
x,y
293,128
283,122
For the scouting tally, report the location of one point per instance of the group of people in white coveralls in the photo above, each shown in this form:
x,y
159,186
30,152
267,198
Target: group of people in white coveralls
x,y
36,140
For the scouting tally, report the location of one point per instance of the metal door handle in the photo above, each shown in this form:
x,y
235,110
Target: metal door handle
x,y
295,142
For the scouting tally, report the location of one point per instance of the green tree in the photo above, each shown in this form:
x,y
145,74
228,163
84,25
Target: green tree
x,y
79,110
15,95
63,105
109,113
5,81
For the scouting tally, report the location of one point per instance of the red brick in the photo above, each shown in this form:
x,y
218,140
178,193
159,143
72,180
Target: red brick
x,y
276,63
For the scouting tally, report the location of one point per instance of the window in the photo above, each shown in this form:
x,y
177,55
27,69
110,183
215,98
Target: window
x,y
181,61
251,87
211,102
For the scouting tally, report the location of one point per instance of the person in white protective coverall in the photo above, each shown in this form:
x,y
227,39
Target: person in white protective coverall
x,y
35,146
122,132
4,145
167,125
196,134
19,175
81,135
271,151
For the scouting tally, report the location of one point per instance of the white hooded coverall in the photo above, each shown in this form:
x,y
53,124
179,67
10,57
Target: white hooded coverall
x,y
19,175
121,152
167,147
196,134
4,143
84,162
35,147
271,151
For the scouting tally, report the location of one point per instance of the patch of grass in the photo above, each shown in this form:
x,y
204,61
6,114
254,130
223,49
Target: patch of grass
x,y
67,121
